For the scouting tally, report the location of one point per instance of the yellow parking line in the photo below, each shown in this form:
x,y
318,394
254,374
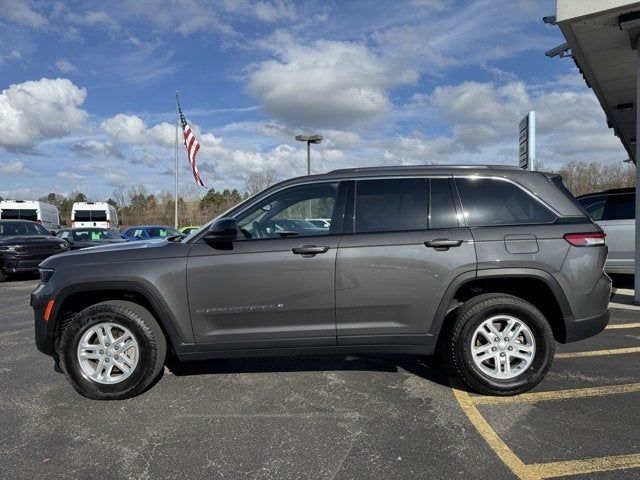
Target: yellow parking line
x,y
510,459
558,394
598,353
581,467
616,326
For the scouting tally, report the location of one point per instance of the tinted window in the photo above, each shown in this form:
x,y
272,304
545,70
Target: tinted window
x,y
21,228
487,202
391,205
594,206
285,213
90,216
19,214
442,209
620,207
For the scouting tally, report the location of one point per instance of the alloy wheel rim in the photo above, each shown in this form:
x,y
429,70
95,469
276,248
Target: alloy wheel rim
x,y
108,353
502,347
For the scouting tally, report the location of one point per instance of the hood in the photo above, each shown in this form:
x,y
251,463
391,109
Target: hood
x,y
28,239
119,252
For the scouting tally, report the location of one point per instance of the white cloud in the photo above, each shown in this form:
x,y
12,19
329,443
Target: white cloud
x,y
327,84
18,11
64,175
94,19
14,166
35,110
65,66
124,128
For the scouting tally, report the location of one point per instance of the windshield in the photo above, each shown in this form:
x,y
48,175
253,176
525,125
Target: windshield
x,y
162,232
94,235
21,228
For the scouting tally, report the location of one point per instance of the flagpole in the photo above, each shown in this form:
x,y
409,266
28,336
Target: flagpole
x,y
176,166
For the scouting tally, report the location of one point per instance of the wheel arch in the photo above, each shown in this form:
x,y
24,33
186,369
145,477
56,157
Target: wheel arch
x,y
535,286
75,298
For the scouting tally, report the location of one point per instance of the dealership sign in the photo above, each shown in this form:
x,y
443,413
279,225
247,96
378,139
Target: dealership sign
x,y
527,141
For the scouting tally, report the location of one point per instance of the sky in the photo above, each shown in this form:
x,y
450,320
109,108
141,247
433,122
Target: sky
x,y
88,90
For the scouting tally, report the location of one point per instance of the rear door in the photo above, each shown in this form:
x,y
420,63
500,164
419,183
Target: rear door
x,y
402,246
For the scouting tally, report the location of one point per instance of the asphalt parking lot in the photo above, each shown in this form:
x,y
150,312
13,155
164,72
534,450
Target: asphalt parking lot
x,y
323,417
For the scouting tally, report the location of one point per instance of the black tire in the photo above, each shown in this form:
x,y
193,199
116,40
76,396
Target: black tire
x,y
151,342
470,315
3,276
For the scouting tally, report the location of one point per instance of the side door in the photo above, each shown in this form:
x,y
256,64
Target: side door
x,y
619,225
275,286
403,244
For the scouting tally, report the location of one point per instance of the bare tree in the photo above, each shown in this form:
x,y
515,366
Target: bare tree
x,y
256,182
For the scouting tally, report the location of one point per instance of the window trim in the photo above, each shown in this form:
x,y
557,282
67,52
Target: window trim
x,y
339,210
534,196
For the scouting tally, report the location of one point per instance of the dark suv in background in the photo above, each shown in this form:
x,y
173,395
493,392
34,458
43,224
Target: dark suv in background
x,y
23,245
487,266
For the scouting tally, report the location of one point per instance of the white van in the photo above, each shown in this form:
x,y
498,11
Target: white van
x,y
94,214
45,214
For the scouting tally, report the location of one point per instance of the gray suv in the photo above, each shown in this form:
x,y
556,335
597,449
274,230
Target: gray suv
x,y
485,266
615,211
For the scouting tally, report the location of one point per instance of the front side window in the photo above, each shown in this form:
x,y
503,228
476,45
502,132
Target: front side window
x,y
620,207
491,202
390,205
287,213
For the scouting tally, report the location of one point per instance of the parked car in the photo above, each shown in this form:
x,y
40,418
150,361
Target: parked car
x,y
485,266
147,232
615,211
23,245
45,214
78,238
188,230
94,214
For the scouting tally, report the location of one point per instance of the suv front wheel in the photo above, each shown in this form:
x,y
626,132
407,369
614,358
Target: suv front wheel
x,y
112,350
500,344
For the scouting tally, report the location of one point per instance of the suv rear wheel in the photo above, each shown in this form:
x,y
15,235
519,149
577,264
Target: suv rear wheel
x,y
500,344
112,350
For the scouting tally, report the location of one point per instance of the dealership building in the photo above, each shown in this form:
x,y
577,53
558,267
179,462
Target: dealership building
x,y
602,37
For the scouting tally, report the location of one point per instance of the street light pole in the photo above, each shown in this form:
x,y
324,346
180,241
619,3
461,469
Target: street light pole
x,y
309,139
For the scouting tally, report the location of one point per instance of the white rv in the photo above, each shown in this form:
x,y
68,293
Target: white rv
x,y
94,214
44,213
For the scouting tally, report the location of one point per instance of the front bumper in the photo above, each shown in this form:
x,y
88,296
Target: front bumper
x,y
44,330
23,262
581,328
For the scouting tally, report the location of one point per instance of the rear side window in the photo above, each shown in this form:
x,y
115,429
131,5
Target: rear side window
x,y
620,207
442,213
391,205
490,202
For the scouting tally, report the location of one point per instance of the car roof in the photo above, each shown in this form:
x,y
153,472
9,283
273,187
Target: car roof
x,y
18,220
611,191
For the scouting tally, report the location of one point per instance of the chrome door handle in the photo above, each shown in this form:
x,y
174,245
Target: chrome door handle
x,y
442,244
309,250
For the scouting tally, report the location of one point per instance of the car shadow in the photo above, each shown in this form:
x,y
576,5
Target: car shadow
x,y
622,281
425,367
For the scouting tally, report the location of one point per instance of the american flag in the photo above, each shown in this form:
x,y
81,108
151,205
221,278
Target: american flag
x,y
192,147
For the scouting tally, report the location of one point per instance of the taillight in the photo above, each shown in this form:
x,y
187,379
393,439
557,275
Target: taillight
x,y
591,239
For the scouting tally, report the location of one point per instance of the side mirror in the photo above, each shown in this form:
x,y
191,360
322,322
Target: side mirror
x,y
222,232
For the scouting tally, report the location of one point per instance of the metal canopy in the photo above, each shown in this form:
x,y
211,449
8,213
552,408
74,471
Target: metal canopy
x,y
604,54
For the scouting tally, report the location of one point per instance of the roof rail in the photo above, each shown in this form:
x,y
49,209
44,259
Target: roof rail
x,y
422,167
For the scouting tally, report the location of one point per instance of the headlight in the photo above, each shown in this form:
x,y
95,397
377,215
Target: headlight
x,y
46,274
8,248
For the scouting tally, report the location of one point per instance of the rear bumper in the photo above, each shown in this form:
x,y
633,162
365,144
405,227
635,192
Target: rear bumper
x,y
581,328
